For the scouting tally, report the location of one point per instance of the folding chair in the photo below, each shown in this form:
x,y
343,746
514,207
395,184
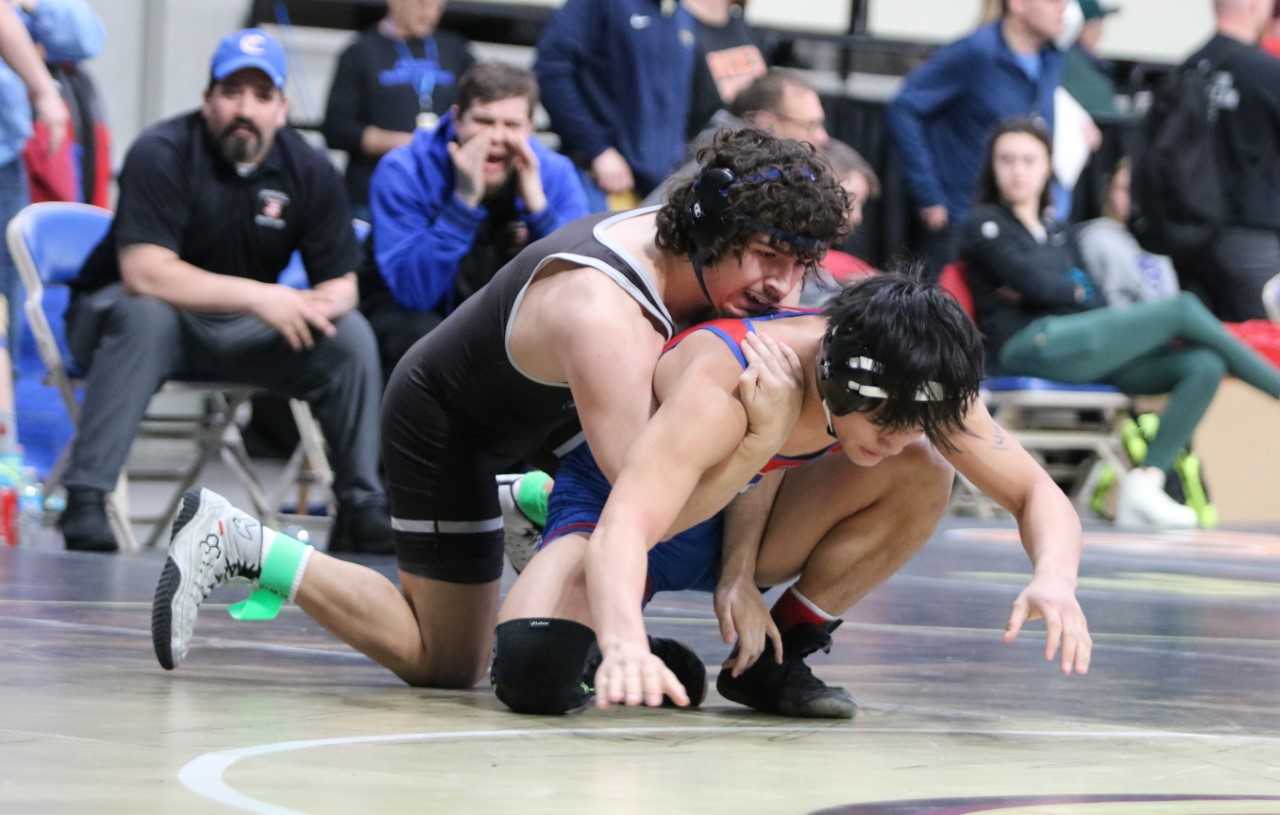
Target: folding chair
x,y
1049,417
49,243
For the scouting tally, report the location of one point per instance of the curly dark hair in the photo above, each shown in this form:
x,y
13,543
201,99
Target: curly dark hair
x,y
919,334
802,198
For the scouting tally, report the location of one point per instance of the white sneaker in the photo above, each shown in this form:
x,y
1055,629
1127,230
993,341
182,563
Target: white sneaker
x,y
1142,503
211,543
521,536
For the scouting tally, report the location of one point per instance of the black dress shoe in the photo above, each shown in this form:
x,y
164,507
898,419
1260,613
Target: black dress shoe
x,y
84,522
363,529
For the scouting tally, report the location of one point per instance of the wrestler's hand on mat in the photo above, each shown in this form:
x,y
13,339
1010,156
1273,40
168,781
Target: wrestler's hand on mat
x,y
292,313
745,619
1053,599
629,674
771,389
468,164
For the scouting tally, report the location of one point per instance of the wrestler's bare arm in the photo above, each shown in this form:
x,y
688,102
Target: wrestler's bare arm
x,y
1050,529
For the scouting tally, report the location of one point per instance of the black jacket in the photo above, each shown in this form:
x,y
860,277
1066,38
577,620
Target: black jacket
x,y
1016,279
1248,131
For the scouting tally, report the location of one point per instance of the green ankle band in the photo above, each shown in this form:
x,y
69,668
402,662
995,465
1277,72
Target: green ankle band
x,y
531,496
276,583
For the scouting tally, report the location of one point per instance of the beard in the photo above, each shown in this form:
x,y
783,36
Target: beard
x,y
237,145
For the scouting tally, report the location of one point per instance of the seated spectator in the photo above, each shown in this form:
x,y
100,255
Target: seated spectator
x,y
841,268
731,49
212,205
1126,273
451,208
617,79
397,77
1042,315
781,103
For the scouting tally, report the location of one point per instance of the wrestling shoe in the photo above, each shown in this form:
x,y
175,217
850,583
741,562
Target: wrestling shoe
x,y
678,658
790,689
685,664
1142,503
211,543
521,537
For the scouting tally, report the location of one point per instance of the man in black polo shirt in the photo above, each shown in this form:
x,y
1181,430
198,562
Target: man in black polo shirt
x,y
212,204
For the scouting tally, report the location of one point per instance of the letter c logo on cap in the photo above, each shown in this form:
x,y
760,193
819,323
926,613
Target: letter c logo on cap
x,y
252,44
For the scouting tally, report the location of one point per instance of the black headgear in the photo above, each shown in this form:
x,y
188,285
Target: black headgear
x,y
709,215
849,381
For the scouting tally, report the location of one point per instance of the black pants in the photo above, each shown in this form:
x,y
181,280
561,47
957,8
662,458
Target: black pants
x,y
1229,276
131,344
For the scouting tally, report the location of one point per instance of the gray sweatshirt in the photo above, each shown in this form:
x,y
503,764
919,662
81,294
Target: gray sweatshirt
x,y
1124,272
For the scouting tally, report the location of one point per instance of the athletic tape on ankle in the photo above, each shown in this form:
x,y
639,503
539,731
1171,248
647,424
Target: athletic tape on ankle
x,y
282,571
531,496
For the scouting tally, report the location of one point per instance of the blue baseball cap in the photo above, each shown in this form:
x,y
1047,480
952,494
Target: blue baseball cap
x,y
249,48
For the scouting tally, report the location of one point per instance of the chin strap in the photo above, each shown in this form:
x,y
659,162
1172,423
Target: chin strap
x,y
831,428
698,274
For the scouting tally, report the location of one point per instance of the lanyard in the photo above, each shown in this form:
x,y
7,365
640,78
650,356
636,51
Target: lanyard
x,y
426,74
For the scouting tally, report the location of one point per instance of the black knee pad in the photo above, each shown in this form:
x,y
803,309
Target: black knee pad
x,y
539,665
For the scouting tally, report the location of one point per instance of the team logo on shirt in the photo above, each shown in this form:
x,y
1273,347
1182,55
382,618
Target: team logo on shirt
x,y
271,208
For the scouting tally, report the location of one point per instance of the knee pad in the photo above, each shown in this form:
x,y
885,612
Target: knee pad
x,y
539,665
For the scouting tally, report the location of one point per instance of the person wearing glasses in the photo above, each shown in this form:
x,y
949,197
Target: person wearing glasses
x,y
780,103
886,384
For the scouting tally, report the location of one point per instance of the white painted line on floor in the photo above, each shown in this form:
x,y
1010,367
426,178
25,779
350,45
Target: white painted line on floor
x,y
200,642
203,774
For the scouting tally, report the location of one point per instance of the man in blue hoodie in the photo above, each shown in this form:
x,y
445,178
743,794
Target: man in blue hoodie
x,y
456,203
947,108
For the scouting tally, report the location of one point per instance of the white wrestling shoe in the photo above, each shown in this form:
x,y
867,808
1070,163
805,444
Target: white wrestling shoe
x,y
211,543
1142,503
520,536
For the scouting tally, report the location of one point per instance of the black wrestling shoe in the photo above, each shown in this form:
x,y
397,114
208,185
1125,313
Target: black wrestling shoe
x,y
681,661
790,689
685,664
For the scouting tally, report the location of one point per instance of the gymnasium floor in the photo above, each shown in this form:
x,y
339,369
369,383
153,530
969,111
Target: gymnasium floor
x,y
1178,716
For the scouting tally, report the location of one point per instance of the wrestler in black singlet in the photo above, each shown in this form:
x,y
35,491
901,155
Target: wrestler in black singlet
x,y
457,411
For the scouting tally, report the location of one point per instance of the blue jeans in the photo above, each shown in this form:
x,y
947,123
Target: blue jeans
x,y
14,195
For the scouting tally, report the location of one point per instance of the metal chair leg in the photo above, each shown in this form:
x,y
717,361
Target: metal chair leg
x,y
117,506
